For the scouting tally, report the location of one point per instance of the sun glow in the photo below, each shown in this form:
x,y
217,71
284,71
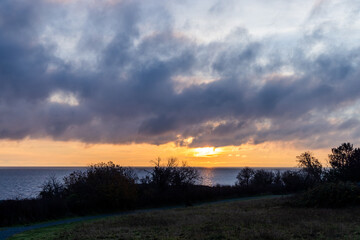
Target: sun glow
x,y
206,152
31,152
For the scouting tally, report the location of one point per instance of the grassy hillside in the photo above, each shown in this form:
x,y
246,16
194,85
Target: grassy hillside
x,y
255,219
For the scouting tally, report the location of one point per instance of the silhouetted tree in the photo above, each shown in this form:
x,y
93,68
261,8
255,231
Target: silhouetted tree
x,y
311,167
185,175
263,178
171,174
345,163
244,176
51,188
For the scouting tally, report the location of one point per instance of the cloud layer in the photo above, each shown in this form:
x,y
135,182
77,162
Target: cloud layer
x,y
148,72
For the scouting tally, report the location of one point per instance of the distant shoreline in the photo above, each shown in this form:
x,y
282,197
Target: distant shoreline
x,y
9,167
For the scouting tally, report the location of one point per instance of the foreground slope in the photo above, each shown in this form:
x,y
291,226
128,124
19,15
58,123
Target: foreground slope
x,y
254,219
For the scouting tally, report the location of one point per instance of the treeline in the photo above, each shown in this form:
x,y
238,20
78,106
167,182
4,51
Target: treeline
x,y
344,166
107,187
337,185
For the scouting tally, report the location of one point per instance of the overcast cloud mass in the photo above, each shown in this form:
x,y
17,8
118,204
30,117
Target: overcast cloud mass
x,y
209,73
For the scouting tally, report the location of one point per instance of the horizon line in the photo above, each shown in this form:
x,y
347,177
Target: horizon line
x,y
133,167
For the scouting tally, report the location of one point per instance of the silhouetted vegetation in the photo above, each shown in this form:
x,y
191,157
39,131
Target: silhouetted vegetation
x,y
244,177
52,189
173,183
102,187
337,186
311,167
330,195
345,163
293,181
171,174
106,187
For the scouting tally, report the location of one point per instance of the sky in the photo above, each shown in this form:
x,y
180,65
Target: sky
x,y
215,83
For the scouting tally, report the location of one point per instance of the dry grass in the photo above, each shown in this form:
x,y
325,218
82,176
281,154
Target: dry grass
x,y
257,219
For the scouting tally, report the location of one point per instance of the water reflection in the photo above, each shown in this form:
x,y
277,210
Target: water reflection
x,y
207,175
214,176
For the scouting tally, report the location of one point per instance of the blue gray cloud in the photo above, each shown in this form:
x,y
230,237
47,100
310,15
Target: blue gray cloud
x,y
127,72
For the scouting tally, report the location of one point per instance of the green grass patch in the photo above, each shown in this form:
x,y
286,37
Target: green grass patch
x,y
43,233
254,219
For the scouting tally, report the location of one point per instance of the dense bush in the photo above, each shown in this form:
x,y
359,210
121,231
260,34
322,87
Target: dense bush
x,y
52,188
168,183
263,178
293,180
333,187
31,210
330,195
103,186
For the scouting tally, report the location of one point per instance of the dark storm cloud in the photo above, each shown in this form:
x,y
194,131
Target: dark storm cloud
x,y
128,91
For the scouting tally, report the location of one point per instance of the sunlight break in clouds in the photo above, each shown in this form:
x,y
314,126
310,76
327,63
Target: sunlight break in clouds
x,y
64,98
221,73
206,152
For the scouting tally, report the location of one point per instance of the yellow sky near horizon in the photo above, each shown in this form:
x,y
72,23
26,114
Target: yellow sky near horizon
x,y
58,153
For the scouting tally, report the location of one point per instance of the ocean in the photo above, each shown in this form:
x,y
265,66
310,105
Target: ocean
x,y
26,182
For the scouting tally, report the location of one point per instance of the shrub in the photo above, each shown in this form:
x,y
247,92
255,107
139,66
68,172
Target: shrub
x,y
293,181
168,183
263,178
171,174
331,195
251,181
104,186
30,210
51,188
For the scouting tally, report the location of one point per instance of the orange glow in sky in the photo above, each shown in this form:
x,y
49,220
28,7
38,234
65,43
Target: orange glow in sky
x,y
57,153
214,75
206,152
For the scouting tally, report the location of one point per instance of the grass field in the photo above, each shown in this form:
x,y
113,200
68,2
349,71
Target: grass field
x,y
255,219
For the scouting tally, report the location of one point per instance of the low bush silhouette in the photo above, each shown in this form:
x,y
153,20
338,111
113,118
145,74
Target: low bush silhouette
x,y
52,188
330,195
293,181
169,183
31,210
337,186
171,174
102,187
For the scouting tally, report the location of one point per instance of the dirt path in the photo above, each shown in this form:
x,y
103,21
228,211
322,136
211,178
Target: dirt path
x,y
8,232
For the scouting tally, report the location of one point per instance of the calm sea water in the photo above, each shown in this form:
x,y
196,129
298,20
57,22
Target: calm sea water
x,y
26,182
